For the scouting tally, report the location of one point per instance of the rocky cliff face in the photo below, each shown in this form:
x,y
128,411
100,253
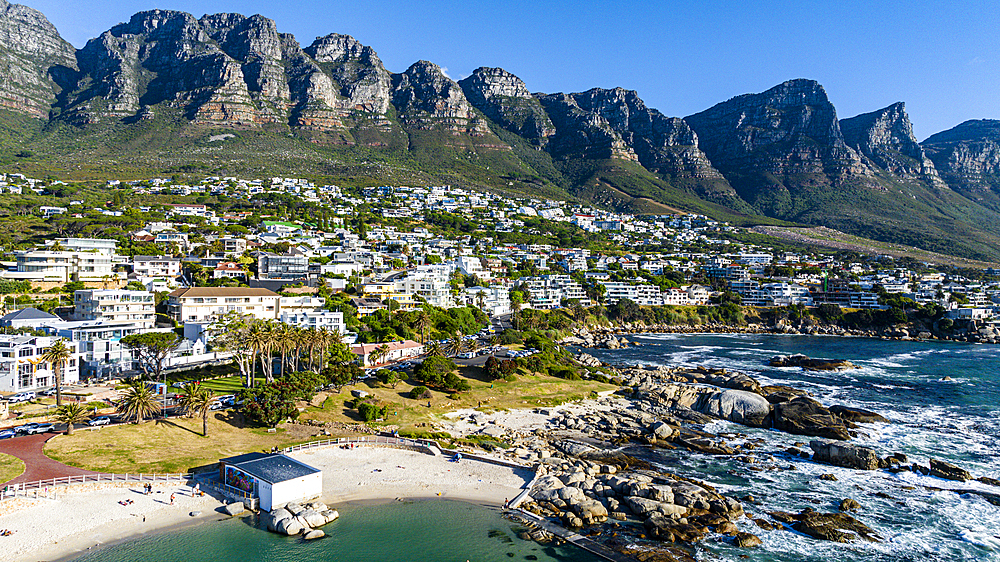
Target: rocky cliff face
x,y
36,62
885,138
968,156
427,99
226,69
505,99
767,144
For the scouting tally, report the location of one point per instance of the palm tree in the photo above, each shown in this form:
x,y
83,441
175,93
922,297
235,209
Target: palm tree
x,y
378,354
138,402
197,400
456,344
481,300
421,322
56,355
256,340
271,338
434,348
71,414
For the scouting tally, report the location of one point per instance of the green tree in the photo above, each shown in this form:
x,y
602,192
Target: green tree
x,y
138,402
196,400
151,349
370,412
433,370
387,377
71,414
57,355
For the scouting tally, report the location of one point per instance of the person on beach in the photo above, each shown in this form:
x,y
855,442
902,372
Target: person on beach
x,y
172,499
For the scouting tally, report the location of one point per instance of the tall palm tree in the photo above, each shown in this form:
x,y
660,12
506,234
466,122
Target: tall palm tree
x,y
481,300
197,400
421,322
71,414
57,355
285,342
138,402
270,341
256,340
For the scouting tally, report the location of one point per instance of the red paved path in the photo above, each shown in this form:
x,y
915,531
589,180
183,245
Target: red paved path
x,y
28,448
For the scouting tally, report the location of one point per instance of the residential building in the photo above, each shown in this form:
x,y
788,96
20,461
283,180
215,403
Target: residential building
x,y
291,266
494,300
64,266
156,266
26,318
201,304
115,305
22,368
398,351
99,342
228,269
315,319
549,291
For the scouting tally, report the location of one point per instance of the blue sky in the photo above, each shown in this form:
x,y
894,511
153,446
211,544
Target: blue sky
x,y
941,57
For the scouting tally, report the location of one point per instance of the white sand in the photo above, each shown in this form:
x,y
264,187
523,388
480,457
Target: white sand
x,y
371,473
85,516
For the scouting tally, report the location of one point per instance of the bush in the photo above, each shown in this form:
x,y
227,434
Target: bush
x,y
511,337
420,393
387,377
371,412
564,373
454,382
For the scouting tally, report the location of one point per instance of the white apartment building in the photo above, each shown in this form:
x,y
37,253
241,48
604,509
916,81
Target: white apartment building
x,y
203,304
431,283
99,343
116,305
315,319
63,266
642,293
21,366
495,299
156,266
470,265
549,291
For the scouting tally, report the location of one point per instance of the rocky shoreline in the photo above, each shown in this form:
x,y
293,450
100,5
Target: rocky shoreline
x,y
592,478
612,337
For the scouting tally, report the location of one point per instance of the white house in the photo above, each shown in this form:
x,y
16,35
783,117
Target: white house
x,y
201,304
115,305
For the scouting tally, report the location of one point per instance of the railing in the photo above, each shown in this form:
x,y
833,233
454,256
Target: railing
x,y
22,488
373,440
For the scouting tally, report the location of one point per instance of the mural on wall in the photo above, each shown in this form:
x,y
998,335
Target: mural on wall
x,y
239,479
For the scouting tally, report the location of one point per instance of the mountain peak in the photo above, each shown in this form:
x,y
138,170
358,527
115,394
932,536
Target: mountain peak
x,y
885,136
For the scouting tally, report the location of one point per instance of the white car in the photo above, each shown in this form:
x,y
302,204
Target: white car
x,y
21,397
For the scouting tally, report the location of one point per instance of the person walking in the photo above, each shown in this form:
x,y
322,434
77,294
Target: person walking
x,y
172,498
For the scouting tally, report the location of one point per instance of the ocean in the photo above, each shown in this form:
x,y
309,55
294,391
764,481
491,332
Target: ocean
x,y
942,400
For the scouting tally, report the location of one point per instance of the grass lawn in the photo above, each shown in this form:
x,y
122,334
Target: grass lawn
x,y
525,392
174,445
227,385
10,468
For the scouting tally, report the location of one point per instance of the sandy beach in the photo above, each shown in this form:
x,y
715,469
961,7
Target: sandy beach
x,y
85,516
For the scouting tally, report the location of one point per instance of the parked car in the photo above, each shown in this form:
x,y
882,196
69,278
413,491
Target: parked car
x,y
25,428
100,420
7,433
41,428
49,392
21,397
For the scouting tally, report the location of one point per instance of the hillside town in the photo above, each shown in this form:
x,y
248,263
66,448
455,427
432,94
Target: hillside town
x,y
189,264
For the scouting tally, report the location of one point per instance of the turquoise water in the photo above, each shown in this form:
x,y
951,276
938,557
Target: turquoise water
x,y
434,530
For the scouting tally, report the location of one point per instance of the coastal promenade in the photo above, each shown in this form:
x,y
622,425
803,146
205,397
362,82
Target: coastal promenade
x,y
37,466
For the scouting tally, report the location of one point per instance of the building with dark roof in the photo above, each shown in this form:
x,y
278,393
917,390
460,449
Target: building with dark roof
x,y
26,317
274,479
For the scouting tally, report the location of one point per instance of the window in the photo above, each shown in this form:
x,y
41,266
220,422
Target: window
x,y
26,352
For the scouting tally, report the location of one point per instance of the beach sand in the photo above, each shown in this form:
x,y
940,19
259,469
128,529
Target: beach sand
x,y
369,473
88,515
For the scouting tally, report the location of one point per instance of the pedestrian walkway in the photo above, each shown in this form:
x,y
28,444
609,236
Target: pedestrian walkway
x,y
37,466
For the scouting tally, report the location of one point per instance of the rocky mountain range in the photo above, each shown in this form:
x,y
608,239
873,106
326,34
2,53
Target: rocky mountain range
x,y
151,94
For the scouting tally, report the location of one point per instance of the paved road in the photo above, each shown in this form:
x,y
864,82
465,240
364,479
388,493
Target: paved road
x,y
29,448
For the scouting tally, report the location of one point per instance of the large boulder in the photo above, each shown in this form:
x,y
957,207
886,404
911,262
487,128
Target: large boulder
x,y
837,527
737,406
811,364
669,529
805,416
663,430
291,526
313,518
948,471
314,534
590,511
277,516
845,455
234,508
857,415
